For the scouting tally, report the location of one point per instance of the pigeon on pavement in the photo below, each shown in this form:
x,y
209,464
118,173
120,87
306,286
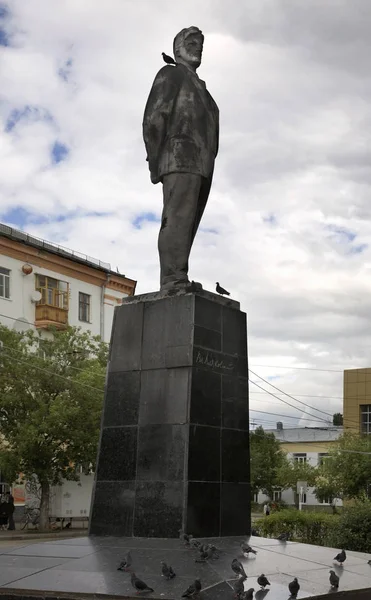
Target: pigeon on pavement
x,y
249,594
263,581
334,580
184,537
194,543
166,571
193,589
237,568
284,536
221,290
246,549
238,586
341,557
126,563
369,562
139,585
294,587
168,59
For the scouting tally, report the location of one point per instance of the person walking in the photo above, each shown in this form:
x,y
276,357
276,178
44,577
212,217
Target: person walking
x,y
11,509
266,509
3,513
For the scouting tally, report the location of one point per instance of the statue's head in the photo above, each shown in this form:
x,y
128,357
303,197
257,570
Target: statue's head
x,y
188,45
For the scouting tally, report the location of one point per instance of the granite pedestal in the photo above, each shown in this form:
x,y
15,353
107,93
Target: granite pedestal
x,y
174,447
86,569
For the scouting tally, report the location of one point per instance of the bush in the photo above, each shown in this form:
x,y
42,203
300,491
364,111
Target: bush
x,y
306,527
354,528
256,507
277,505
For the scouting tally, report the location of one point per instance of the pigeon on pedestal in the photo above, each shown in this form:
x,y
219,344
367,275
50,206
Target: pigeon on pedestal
x,y
341,557
334,580
263,581
294,587
221,290
139,585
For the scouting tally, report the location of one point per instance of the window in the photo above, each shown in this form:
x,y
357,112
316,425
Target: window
x,y
365,418
301,458
53,292
321,458
84,307
4,283
277,495
326,500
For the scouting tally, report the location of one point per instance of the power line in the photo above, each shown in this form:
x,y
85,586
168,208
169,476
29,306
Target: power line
x,y
51,373
305,368
308,396
280,415
43,358
295,407
288,403
289,395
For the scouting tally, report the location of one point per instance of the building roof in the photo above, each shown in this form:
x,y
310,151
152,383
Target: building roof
x,y
307,434
30,240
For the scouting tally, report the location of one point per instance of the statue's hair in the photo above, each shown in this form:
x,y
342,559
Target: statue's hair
x,y
182,35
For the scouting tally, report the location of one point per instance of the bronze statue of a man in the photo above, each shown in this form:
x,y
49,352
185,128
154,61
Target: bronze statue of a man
x,y
181,133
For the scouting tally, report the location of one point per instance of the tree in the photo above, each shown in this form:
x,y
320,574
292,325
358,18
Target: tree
x,y
266,458
292,471
346,471
51,392
337,419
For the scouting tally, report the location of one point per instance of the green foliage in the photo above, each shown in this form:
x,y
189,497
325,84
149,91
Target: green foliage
x,y
345,473
266,458
306,527
278,505
353,530
49,421
291,472
337,419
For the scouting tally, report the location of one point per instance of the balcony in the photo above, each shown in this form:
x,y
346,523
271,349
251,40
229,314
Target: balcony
x,y
50,316
52,309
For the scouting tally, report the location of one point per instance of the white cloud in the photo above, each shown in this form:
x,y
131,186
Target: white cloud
x,y
293,86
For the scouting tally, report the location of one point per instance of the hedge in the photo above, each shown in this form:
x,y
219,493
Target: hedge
x,y
306,527
354,529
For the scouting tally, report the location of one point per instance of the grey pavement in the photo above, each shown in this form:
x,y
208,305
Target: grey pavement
x,y
89,566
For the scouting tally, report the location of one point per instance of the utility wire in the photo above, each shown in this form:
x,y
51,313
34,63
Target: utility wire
x,y
284,416
307,396
304,368
293,398
288,403
289,395
51,373
255,365
43,358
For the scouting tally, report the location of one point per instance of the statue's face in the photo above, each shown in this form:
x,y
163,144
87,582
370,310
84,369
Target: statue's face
x,y
191,49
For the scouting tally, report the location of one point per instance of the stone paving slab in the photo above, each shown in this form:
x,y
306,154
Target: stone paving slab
x,y
89,566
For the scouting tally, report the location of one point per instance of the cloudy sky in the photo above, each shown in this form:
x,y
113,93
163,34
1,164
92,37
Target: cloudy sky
x,y
287,226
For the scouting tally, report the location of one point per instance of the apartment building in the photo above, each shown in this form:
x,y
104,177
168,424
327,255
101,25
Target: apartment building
x,y
43,284
357,400
304,444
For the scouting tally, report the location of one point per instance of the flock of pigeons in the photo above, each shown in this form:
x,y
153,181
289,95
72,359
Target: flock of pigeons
x,y
210,552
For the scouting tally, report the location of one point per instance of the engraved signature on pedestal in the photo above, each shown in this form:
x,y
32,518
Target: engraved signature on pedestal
x,y
209,361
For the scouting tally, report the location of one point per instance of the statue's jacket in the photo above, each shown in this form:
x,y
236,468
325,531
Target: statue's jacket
x,y
180,124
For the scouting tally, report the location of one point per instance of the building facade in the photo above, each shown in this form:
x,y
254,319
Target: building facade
x,y
357,400
43,284
304,444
